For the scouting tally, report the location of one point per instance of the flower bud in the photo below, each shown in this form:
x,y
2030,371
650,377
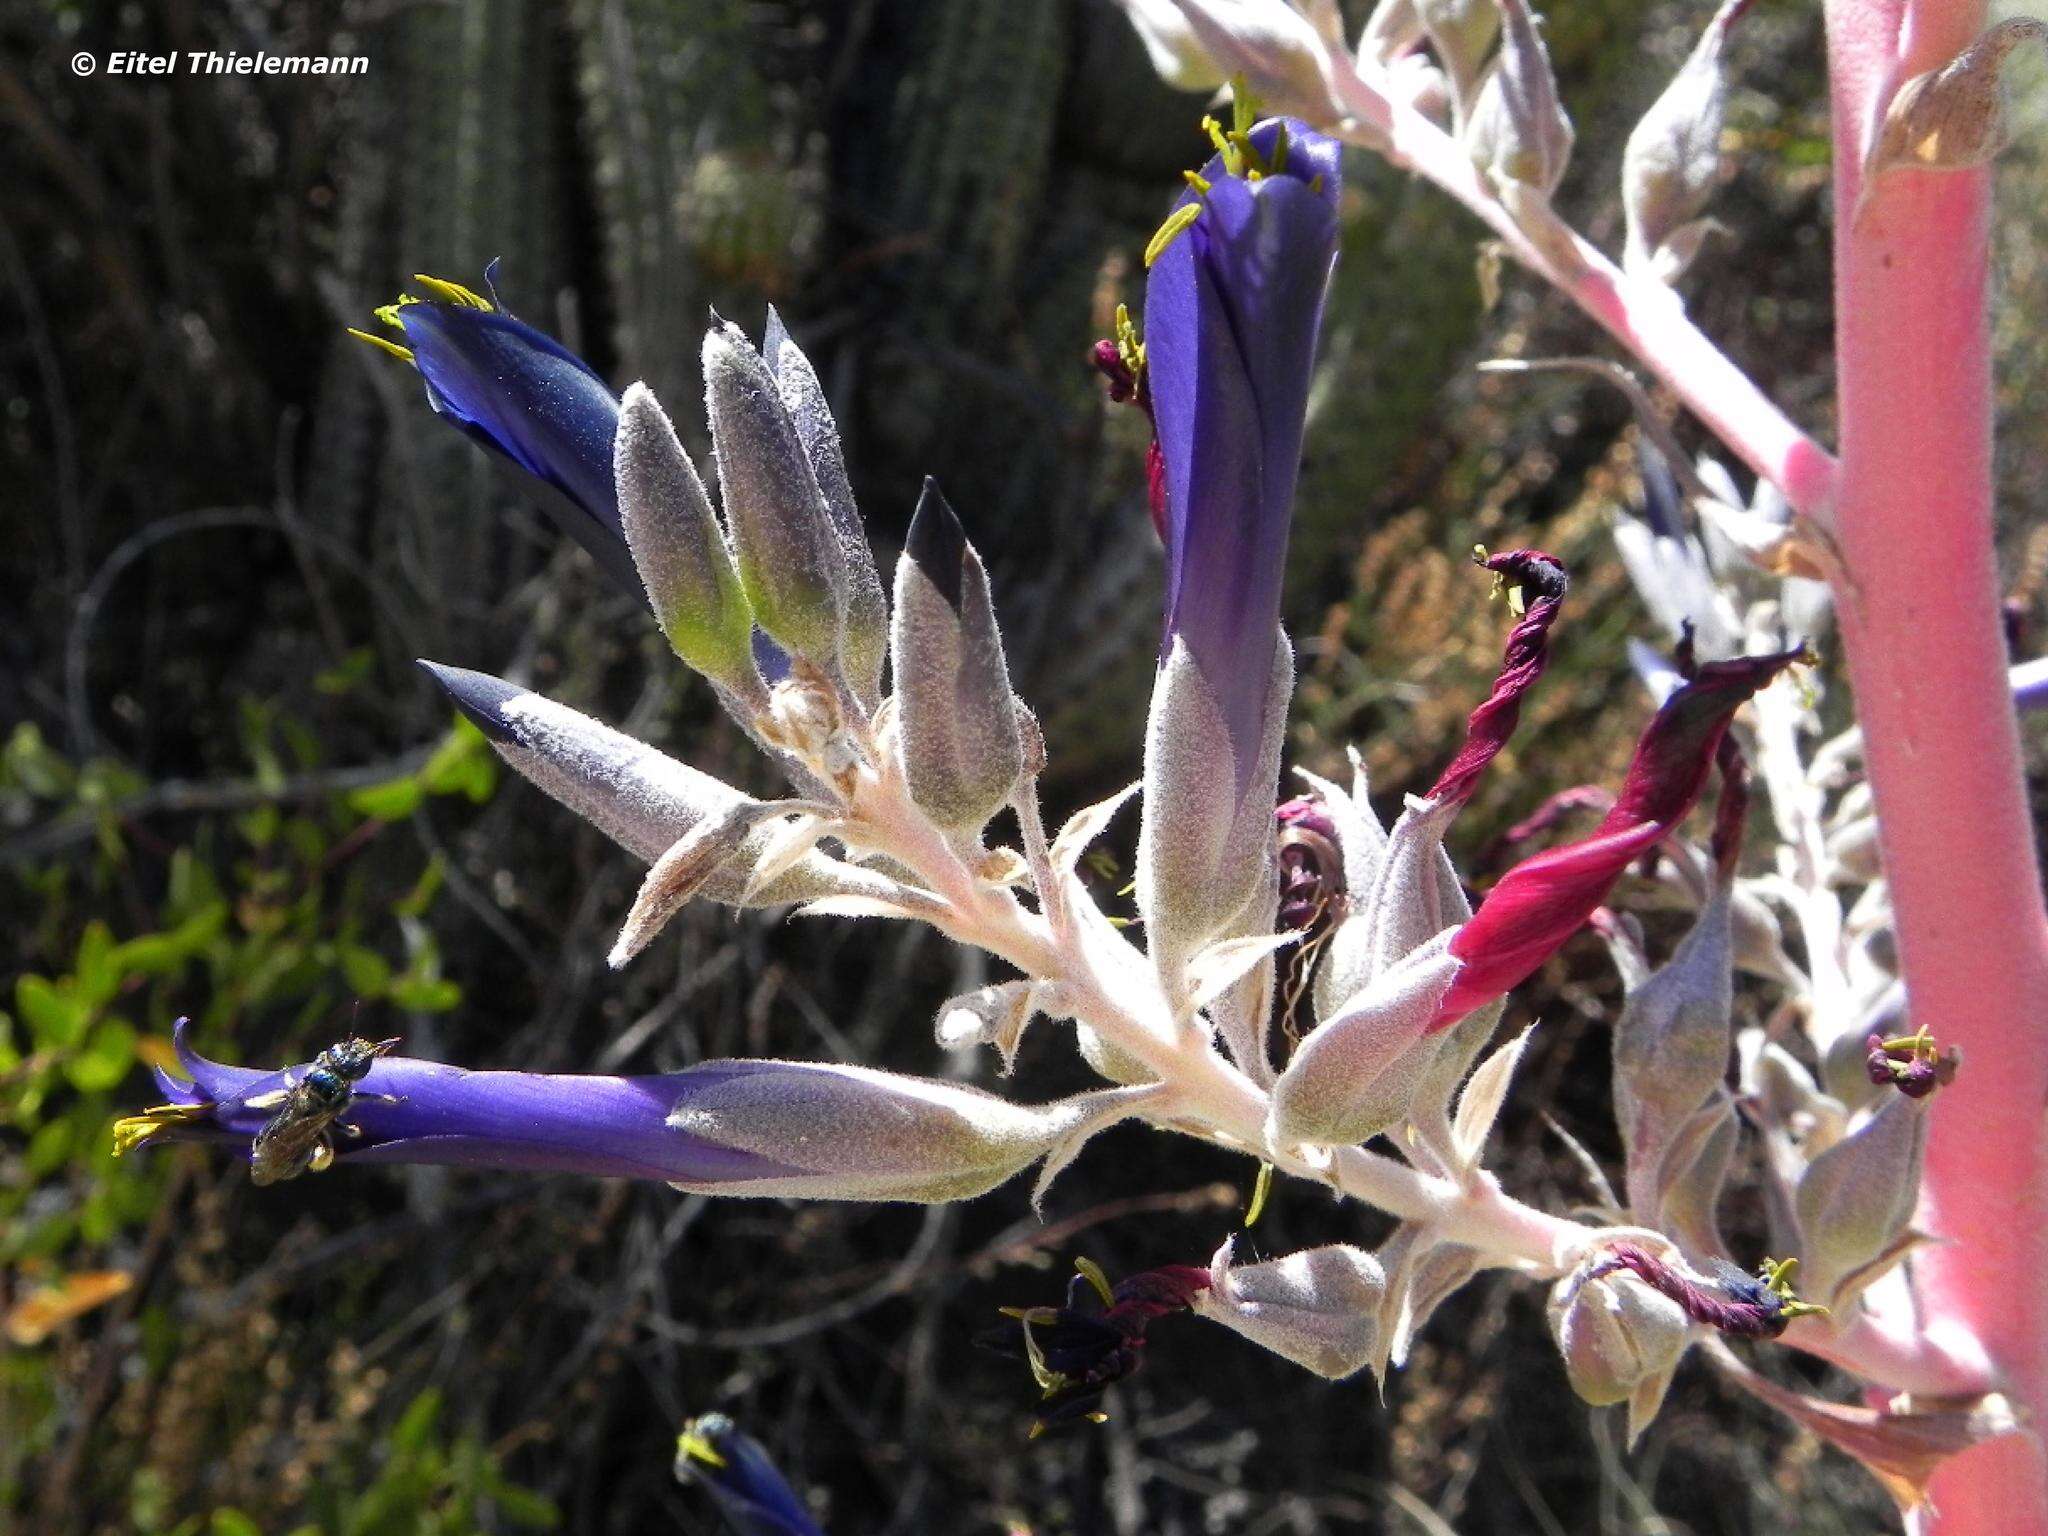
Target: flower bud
x,y
864,644
678,549
854,1133
1518,131
1355,1074
784,544
641,799
1319,1308
1413,896
1615,1333
1462,33
963,752
1856,1199
744,1484
1671,1047
1673,157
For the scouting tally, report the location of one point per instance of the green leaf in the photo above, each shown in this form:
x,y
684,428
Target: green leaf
x,y
232,1522
96,973
425,994
163,954
29,761
415,902
54,1016
106,1059
49,1148
416,1425
353,671
366,972
392,801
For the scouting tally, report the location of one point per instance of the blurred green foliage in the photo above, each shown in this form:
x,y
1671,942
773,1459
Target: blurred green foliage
x,y
256,918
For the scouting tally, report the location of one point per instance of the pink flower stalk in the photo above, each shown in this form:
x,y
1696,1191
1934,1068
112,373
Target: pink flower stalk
x,y
1543,900
1920,627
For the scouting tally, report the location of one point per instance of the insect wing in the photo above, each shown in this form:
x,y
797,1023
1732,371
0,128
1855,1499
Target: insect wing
x,y
285,1147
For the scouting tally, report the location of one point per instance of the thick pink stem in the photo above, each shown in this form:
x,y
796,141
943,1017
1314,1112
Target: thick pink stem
x,y
1919,611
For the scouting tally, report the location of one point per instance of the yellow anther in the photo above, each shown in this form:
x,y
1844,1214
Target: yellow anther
x,y
695,1447
388,313
1092,1273
1197,180
403,354
1128,347
131,1131
1177,222
452,293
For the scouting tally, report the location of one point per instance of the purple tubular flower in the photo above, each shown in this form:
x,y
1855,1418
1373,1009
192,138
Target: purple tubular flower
x,y
611,1127
1232,310
768,1129
744,1483
523,395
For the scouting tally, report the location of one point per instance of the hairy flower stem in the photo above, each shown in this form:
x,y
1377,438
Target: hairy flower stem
x,y
1108,984
1919,611
1642,314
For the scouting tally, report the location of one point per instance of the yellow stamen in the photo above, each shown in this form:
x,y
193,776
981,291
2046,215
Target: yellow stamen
x,y
1177,223
1244,106
452,293
388,313
695,1447
1260,1191
403,354
131,1131
1197,180
1092,1273
1128,347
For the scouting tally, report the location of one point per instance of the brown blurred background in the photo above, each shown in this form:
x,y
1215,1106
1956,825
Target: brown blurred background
x,y
230,530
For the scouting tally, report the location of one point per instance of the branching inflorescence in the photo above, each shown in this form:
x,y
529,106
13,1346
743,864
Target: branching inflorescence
x,y
774,597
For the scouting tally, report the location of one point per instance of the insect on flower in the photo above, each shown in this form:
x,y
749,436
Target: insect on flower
x,y
299,1137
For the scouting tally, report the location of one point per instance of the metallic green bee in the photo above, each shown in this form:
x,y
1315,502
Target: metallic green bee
x,y
300,1137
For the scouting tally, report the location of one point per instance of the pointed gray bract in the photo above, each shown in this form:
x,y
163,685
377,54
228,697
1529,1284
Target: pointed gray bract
x,y
1856,1199
1671,1048
641,799
1413,896
784,542
962,749
1203,853
1461,32
864,643
679,550
1355,1074
1518,130
1673,159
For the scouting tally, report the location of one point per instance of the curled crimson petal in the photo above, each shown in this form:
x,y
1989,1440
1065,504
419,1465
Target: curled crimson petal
x,y
1543,900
